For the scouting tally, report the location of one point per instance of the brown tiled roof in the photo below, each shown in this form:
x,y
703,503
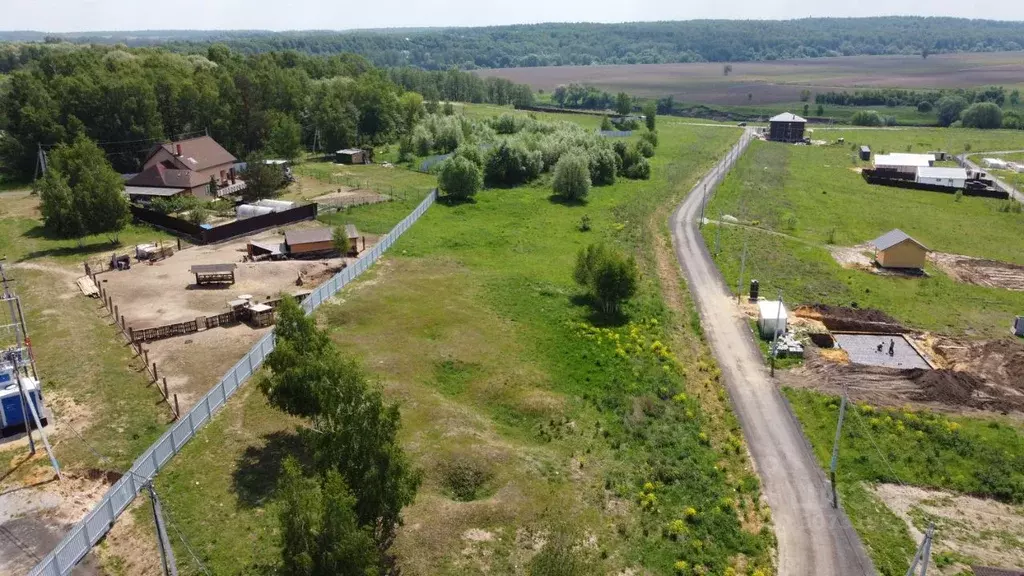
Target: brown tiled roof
x,y
308,236
157,176
197,153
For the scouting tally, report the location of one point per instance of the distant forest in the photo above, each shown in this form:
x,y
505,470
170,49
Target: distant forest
x,y
582,44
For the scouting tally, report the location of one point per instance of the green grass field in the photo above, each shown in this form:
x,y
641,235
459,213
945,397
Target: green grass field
x,y
800,199
91,379
983,458
605,431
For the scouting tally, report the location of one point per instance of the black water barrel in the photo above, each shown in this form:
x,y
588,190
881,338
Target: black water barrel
x,y
755,288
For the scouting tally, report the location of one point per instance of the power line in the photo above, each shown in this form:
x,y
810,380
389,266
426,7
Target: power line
x,y
877,449
151,140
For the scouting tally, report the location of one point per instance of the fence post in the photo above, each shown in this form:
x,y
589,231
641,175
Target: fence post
x,y
155,377
177,410
115,313
165,387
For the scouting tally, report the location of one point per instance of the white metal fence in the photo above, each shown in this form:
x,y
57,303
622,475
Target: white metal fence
x,y
84,535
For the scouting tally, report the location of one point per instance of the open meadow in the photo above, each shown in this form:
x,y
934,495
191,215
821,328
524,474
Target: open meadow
x,y
533,420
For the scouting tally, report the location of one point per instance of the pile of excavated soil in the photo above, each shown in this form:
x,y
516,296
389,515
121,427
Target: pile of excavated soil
x,y
944,389
841,318
1000,363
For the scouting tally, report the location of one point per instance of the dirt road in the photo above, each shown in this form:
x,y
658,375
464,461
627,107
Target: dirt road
x,y
812,537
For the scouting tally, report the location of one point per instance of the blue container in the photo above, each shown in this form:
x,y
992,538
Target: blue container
x,y
11,413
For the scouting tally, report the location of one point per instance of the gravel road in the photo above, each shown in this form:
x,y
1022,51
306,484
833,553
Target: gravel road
x,y
813,538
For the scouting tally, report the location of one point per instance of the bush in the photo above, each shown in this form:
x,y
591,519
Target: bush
x,y
606,124
511,164
924,106
572,177
471,153
507,124
1013,121
198,216
610,277
422,140
639,170
645,148
603,166
650,136
866,118
460,178
950,108
985,115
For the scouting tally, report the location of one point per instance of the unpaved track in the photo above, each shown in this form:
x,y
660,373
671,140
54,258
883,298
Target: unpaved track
x,y
813,538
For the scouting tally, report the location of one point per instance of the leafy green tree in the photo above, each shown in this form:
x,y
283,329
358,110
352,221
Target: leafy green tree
x,y
603,166
949,109
354,432
805,95
572,177
261,180
639,169
650,115
606,124
285,136
320,532
82,194
645,148
472,153
198,215
986,115
727,69
610,277
866,118
339,238
924,106
623,104
460,178
1015,98
820,110
1012,120
449,108
511,164
651,137
411,106
807,109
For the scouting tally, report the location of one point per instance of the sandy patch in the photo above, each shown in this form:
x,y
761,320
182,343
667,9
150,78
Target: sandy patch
x,y
980,271
985,531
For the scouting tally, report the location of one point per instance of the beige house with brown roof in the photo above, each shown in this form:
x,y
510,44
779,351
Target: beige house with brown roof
x,y
183,167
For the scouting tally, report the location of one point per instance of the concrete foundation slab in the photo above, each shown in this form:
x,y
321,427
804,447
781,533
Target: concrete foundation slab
x,y
863,349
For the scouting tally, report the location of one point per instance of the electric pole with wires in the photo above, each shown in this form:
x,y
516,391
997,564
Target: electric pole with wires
x,y
924,553
835,449
167,561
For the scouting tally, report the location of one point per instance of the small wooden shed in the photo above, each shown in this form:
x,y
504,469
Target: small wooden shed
x,y
308,242
354,240
896,249
214,273
350,156
865,153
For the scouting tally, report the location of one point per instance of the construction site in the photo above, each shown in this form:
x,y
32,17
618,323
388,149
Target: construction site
x,y
848,349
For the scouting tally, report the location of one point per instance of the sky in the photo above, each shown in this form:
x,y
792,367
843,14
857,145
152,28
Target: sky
x,y
91,15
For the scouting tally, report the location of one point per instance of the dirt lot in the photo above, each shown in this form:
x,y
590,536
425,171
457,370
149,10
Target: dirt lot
x,y
986,375
165,292
990,273
986,532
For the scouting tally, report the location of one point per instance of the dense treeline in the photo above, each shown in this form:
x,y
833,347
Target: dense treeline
x,y
901,97
628,43
125,98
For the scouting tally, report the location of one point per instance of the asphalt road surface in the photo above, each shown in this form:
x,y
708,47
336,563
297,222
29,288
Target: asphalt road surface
x,y
813,538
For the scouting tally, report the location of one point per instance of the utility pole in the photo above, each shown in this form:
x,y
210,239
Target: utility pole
x,y
924,552
775,339
166,553
835,449
24,403
703,203
718,234
743,264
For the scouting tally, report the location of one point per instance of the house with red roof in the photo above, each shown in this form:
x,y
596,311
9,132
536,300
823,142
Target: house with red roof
x,y
184,167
